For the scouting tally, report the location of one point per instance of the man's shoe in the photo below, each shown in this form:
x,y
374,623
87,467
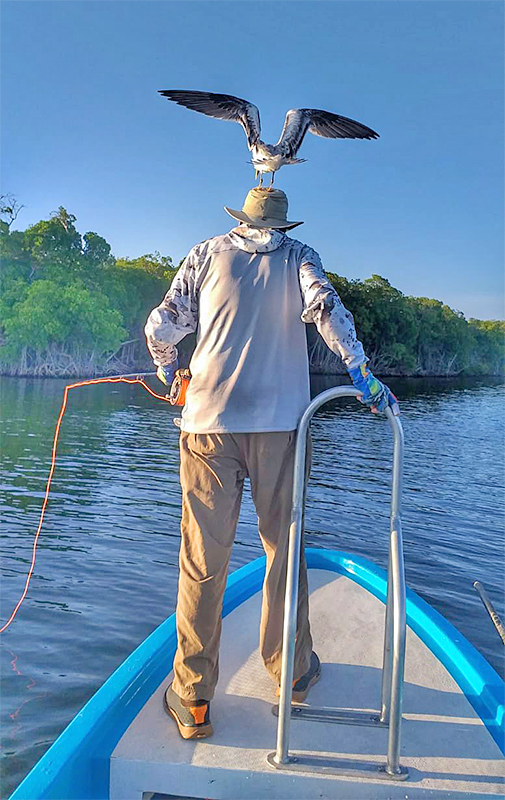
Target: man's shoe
x,y
193,721
302,685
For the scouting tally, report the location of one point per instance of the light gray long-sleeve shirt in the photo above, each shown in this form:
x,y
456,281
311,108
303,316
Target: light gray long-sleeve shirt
x,y
247,295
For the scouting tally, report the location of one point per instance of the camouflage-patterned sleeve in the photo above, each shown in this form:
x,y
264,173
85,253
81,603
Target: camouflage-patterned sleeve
x,y
323,306
175,317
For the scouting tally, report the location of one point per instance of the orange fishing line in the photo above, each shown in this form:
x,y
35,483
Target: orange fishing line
x,y
116,379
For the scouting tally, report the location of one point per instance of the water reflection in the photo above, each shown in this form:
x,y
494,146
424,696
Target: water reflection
x,y
106,571
453,518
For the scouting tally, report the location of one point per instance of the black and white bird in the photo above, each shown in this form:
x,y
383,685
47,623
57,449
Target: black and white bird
x,y
271,157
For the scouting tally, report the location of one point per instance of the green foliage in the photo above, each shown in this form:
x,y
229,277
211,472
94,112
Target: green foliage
x,y
153,263
488,353
68,306
418,335
45,313
139,286
64,297
54,240
96,250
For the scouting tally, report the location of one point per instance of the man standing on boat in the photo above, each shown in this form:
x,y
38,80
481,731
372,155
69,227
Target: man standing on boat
x,y
248,294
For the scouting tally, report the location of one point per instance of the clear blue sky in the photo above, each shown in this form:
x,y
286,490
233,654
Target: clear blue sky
x,y
84,127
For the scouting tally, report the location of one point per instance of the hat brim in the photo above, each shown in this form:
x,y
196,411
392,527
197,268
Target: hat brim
x,y
258,222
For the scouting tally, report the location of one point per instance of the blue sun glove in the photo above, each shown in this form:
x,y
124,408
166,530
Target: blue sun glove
x,y
166,374
374,394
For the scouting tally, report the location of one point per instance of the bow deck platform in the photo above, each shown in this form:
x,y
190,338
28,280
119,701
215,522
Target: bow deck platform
x,y
445,745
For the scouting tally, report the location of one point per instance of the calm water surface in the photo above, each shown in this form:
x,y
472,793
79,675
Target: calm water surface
x,y
106,571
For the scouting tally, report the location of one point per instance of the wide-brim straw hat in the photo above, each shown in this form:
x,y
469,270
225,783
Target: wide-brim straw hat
x,y
264,208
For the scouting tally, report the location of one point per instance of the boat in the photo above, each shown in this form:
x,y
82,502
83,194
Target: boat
x,y
406,707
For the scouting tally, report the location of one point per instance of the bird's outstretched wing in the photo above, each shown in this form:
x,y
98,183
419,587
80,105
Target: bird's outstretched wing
x,y
322,123
222,106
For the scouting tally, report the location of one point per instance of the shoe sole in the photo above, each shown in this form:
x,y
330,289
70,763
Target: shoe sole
x,y
189,731
299,697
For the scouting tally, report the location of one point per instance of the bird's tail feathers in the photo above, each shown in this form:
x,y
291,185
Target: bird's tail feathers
x,y
296,161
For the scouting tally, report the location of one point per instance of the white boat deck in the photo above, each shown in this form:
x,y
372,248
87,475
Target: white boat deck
x,y
445,746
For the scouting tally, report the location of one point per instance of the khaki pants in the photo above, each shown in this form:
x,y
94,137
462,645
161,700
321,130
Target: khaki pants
x,y
213,468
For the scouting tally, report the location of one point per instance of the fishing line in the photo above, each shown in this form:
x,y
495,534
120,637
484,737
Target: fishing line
x,y
114,379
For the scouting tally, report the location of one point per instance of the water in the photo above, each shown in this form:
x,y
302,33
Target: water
x,y
106,571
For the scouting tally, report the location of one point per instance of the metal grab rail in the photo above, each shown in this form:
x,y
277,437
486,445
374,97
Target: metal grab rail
x,y
394,635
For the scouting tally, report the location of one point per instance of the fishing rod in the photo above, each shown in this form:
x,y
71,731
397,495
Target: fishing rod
x,y
176,397
139,375
495,619
180,383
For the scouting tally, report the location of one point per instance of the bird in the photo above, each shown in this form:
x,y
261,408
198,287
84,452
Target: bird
x,y
271,157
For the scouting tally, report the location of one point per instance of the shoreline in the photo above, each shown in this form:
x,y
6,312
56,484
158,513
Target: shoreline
x,y
312,374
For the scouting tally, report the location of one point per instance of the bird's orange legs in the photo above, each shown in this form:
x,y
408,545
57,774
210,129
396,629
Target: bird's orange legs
x,y
260,184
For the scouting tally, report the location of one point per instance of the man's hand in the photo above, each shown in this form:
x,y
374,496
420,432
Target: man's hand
x,y
374,394
166,374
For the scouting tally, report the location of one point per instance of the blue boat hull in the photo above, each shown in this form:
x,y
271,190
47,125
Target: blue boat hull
x,y
76,766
